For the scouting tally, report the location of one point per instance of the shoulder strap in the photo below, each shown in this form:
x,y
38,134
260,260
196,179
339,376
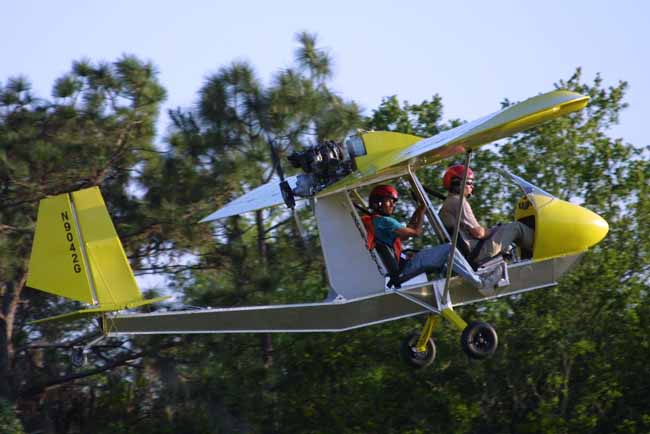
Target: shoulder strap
x,y
370,231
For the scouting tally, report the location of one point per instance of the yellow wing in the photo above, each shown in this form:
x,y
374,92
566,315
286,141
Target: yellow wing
x,y
392,157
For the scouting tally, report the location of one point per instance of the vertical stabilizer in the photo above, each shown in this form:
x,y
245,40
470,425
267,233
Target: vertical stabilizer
x,y
77,253
57,262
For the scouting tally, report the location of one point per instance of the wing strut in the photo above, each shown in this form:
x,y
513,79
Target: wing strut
x,y
454,238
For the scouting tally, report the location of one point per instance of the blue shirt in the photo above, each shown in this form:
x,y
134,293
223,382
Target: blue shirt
x,y
385,228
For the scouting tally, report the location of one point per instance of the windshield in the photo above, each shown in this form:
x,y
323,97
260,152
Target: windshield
x,y
538,197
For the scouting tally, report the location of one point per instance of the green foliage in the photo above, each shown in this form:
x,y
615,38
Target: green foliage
x,y
9,423
97,130
424,119
572,359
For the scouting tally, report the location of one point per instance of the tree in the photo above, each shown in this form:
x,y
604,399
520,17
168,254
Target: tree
x,y
97,130
236,140
572,359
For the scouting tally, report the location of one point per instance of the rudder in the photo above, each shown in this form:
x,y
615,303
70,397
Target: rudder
x,y
112,276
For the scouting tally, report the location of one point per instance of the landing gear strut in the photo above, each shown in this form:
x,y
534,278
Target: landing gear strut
x,y
79,355
413,355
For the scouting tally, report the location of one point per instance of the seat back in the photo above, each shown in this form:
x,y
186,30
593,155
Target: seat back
x,y
464,245
387,256
394,270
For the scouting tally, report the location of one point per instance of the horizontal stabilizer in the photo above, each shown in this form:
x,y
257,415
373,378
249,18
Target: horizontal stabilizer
x,y
72,316
264,196
94,311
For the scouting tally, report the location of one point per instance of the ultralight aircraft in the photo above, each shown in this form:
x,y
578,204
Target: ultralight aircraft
x,y
77,254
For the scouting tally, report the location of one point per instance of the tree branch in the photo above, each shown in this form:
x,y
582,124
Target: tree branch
x,y
123,361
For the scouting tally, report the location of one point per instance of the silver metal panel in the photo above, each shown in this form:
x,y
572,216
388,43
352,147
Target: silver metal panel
x,y
351,270
524,276
311,317
335,316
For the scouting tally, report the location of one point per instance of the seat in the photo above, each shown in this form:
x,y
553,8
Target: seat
x,y
394,270
464,246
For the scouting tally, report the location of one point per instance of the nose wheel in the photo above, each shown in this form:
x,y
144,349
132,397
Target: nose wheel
x,y
416,357
479,340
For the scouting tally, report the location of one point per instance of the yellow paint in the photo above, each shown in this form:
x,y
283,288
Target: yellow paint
x,y
563,228
527,114
62,264
380,143
427,330
114,281
389,154
56,263
524,208
94,311
72,316
516,118
450,315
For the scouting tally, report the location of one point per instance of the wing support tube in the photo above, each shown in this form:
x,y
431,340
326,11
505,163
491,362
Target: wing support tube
x,y
454,239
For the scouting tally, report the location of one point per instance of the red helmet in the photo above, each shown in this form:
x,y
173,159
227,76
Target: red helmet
x,y
455,171
382,191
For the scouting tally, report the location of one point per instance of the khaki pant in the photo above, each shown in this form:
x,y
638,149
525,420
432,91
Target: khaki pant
x,y
504,235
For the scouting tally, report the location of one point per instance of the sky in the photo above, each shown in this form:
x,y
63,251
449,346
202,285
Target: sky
x,y
472,53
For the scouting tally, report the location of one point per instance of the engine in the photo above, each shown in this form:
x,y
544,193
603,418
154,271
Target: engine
x,y
322,165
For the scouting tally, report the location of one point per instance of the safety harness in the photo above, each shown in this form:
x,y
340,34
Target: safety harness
x,y
371,240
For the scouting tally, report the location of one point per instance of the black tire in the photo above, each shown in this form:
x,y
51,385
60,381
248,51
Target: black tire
x,y
77,357
412,356
479,340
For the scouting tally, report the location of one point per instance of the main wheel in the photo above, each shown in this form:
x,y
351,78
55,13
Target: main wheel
x,y
479,340
77,357
413,357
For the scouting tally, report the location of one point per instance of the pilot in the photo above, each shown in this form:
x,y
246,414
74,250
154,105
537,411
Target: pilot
x,y
389,231
481,243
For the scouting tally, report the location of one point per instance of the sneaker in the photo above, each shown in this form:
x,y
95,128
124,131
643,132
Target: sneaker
x,y
489,280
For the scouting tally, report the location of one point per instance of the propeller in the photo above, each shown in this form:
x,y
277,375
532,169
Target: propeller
x,y
287,192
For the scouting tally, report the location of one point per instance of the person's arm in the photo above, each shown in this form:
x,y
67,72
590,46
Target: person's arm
x,y
478,232
414,227
472,225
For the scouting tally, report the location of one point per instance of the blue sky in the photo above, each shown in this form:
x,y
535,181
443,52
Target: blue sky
x,y
474,54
